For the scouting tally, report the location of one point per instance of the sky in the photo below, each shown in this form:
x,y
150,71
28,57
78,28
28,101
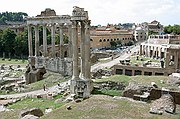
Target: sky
x,y
104,11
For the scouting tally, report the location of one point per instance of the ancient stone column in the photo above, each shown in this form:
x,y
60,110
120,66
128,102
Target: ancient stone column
x,y
44,41
167,60
176,56
82,50
61,41
70,41
160,50
36,41
30,40
75,50
87,61
53,40
157,52
141,50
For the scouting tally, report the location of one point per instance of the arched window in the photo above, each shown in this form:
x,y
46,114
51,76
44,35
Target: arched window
x,y
104,40
111,39
100,40
91,39
107,39
114,39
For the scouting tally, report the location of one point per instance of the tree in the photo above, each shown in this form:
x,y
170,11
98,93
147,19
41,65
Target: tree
x,y
8,39
172,29
113,44
21,44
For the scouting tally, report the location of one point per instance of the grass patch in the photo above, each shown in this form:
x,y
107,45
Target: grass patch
x,y
107,92
29,103
50,80
115,78
13,61
36,103
104,107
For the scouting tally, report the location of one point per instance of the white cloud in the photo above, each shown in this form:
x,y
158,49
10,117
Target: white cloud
x,y
104,11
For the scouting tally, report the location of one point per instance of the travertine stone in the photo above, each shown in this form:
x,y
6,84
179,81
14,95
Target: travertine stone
x,y
75,51
53,39
36,40
61,40
44,41
30,40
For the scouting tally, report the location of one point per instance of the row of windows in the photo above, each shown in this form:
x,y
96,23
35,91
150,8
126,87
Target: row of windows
x,y
104,40
140,33
141,37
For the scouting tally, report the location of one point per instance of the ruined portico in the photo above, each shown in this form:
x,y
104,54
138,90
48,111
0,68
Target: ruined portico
x,y
81,83
52,60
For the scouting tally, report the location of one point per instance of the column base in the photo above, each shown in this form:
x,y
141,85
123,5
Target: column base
x,y
82,88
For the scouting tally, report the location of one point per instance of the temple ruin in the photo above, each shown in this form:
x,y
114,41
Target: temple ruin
x,y
52,57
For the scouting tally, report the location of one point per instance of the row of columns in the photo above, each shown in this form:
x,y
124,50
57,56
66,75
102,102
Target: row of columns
x,y
45,52
84,49
156,51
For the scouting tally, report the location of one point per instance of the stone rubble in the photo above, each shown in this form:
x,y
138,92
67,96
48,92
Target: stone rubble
x,y
164,104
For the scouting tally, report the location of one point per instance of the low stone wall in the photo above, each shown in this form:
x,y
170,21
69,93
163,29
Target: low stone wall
x,y
156,94
62,66
137,70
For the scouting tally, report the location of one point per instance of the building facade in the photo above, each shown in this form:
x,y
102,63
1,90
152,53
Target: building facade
x,y
101,37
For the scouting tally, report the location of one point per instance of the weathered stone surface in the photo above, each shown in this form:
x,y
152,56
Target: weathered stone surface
x,y
33,75
174,78
34,111
165,103
137,89
102,72
29,117
109,85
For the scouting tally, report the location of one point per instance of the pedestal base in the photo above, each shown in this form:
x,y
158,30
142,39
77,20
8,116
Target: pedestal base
x,y
82,88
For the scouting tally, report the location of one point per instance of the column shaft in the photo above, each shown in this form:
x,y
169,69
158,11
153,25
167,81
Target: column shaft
x,y
87,51
61,41
44,41
30,41
82,50
70,41
36,41
53,40
75,51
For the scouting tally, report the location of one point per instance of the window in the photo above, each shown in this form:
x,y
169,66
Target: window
x,y
117,38
111,39
100,40
107,39
114,39
91,39
104,40
123,38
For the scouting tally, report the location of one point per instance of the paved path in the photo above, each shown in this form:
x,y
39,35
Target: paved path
x,y
53,89
124,56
